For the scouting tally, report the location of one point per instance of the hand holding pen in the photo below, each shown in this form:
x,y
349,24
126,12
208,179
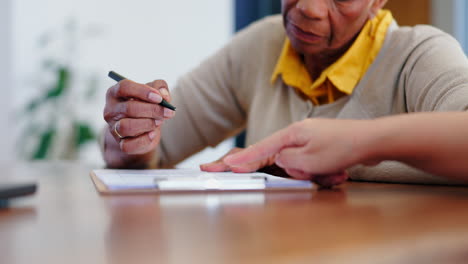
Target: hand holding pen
x,y
134,113
117,77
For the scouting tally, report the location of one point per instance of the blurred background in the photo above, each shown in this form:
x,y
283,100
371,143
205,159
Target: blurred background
x,y
55,55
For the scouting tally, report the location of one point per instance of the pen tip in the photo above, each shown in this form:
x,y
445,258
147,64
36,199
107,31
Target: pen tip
x,y
167,105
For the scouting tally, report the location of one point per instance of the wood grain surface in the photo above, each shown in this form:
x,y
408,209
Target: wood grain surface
x,y
67,221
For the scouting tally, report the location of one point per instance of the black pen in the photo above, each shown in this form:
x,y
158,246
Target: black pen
x,y
117,77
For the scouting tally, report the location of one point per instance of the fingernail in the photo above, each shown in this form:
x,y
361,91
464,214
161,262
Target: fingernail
x,y
155,97
158,122
164,92
152,135
168,113
278,162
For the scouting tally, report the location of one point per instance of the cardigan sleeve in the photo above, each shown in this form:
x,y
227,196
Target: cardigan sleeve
x,y
436,75
213,100
207,110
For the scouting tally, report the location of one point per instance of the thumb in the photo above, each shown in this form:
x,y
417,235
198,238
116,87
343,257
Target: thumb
x,y
162,87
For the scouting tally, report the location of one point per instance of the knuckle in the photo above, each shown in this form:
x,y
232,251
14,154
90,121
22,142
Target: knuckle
x,y
296,134
291,137
110,115
107,117
118,89
160,84
110,92
106,114
121,90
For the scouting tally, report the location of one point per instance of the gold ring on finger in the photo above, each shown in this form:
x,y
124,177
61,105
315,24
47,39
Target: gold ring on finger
x,y
115,130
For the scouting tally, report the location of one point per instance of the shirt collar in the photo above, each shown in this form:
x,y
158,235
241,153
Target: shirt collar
x,y
347,71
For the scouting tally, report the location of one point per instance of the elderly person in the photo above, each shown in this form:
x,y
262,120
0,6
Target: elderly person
x,y
323,59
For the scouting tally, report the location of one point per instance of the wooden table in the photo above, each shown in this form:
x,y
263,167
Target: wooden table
x,y
67,221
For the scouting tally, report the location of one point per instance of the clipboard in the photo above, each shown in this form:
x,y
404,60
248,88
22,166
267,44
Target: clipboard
x,y
109,181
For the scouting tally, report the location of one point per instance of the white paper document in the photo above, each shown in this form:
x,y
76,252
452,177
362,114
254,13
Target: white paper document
x,y
193,180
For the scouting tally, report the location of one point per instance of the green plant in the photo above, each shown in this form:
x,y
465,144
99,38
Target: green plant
x,y
53,127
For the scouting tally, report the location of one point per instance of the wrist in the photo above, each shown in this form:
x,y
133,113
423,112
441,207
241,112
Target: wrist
x,y
384,139
371,138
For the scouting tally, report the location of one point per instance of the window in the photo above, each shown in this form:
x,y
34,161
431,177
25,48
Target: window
x,y
461,22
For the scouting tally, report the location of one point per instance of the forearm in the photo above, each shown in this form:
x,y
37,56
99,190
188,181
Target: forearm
x,y
434,142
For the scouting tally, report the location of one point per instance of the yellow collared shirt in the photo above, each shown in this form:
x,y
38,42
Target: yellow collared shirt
x,y
341,77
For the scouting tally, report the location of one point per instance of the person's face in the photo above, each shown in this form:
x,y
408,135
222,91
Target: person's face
x,y
320,27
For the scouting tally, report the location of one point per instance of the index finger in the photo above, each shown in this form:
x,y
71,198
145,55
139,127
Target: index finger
x,y
129,89
263,149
